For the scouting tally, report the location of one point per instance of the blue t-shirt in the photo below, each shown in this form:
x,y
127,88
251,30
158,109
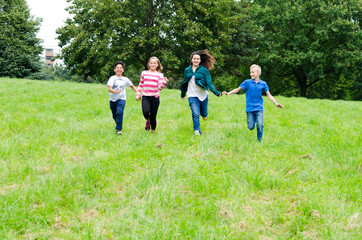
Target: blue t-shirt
x,y
254,99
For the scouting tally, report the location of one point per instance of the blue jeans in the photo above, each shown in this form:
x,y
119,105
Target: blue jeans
x,y
256,117
198,108
117,109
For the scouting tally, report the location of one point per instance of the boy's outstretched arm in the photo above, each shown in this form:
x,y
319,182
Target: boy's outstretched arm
x,y
271,98
134,88
232,91
110,89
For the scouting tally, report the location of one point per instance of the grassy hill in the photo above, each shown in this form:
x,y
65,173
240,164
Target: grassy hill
x,y
64,174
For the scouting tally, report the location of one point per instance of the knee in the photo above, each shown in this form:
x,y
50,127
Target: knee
x,y
195,111
119,111
251,127
195,114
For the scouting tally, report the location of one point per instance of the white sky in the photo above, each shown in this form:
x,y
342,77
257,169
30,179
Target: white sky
x,y
54,15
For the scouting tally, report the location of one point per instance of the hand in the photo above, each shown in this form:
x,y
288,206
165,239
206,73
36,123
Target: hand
x,y
279,105
165,79
138,98
226,93
118,91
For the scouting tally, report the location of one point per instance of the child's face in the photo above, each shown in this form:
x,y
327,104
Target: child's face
x,y
153,64
196,59
254,73
118,69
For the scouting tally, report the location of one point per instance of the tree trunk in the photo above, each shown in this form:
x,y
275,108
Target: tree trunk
x,y
302,81
303,90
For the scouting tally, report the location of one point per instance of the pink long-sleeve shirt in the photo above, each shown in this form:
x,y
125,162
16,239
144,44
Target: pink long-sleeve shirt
x,y
151,83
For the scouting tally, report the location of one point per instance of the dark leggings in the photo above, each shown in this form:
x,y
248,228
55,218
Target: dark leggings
x,y
150,108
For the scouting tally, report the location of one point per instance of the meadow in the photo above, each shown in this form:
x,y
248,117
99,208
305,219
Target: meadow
x,y
64,174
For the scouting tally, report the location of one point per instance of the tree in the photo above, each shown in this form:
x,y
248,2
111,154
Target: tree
x,y
104,31
19,48
311,42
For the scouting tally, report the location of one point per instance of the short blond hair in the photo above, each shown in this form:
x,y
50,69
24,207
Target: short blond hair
x,y
257,67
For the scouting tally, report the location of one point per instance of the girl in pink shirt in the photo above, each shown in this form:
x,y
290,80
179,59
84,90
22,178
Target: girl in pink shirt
x,y
152,81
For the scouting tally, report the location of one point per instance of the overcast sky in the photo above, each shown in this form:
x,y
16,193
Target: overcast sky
x,y
53,14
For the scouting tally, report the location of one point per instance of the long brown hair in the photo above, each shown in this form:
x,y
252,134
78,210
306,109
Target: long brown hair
x,y
159,67
207,60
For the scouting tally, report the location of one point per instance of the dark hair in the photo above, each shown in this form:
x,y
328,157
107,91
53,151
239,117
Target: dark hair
x,y
119,62
207,60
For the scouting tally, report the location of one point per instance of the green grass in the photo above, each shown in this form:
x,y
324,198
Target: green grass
x,y
64,174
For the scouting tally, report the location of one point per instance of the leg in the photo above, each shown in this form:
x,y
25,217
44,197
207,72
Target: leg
x,y
194,103
113,107
155,103
259,124
119,115
250,117
204,108
146,107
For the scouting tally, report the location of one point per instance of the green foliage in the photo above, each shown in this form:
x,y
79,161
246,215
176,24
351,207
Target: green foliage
x,y
227,82
304,47
19,48
55,72
64,174
103,32
311,42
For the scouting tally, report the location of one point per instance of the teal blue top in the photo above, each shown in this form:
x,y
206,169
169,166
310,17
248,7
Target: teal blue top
x,y
202,79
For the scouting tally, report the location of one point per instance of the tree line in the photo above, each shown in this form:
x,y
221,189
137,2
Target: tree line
x,y
306,48
19,47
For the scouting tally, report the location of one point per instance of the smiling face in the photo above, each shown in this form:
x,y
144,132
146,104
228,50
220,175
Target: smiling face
x,y
119,70
153,64
196,60
254,73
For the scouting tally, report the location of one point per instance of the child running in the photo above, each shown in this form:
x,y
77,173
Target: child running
x,y
152,81
254,99
117,94
196,83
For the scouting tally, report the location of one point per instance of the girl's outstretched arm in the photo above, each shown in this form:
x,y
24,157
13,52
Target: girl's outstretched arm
x,y
140,87
162,83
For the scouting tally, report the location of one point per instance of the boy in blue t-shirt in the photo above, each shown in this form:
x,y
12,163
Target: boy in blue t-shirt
x,y
117,94
254,100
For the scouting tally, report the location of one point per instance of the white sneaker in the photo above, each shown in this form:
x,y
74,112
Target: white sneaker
x,y
197,133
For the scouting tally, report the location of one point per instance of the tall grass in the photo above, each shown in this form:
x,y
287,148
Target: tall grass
x,y
64,174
